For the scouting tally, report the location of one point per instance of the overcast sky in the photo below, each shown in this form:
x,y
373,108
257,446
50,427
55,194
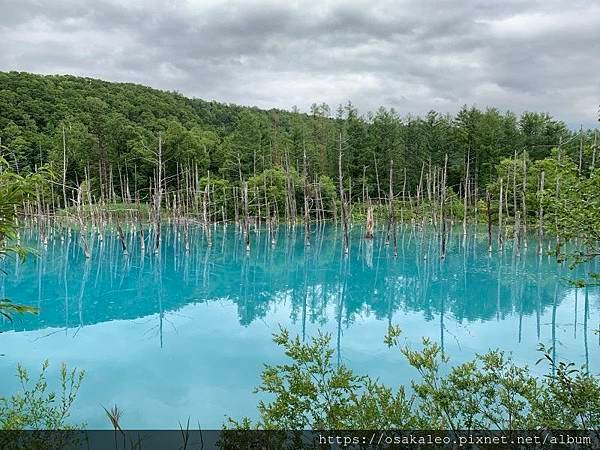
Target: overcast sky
x,y
412,55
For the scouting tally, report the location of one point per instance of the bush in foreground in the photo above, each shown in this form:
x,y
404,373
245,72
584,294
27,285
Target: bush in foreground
x,y
488,392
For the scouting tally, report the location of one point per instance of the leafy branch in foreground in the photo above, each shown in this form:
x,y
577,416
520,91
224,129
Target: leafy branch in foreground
x,y
14,188
312,393
34,407
8,308
577,218
488,392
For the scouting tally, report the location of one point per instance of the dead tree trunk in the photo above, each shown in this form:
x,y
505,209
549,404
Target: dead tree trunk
x,y
466,195
517,235
246,221
306,200
500,231
344,212
205,214
541,214
158,195
392,212
443,209
370,222
64,178
489,219
82,227
524,200
122,238
557,197
377,178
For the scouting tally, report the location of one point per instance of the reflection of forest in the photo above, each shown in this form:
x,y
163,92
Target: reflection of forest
x,y
469,284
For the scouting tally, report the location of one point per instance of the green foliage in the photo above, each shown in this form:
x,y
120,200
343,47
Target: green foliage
x,y
117,209
14,189
328,192
577,214
109,132
488,392
35,407
7,309
570,201
192,147
562,183
569,399
220,196
272,184
313,393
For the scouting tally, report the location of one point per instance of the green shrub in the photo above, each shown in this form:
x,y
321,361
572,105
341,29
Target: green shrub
x,y
488,392
34,407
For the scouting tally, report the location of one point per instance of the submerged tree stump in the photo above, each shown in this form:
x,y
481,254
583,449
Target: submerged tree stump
x,y
370,223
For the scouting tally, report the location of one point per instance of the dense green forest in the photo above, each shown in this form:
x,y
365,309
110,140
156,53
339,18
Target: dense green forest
x,y
109,132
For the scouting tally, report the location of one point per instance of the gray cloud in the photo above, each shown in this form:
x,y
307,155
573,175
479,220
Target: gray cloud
x,y
411,55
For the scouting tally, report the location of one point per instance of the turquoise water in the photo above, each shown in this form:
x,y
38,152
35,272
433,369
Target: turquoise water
x,y
179,335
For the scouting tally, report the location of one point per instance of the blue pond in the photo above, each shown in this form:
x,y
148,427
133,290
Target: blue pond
x,y
185,334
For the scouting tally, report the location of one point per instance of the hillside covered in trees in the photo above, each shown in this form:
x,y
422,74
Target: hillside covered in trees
x,y
108,132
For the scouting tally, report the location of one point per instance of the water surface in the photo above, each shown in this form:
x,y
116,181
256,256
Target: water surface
x,y
185,334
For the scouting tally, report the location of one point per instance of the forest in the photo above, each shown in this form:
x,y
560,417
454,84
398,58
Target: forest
x,y
108,133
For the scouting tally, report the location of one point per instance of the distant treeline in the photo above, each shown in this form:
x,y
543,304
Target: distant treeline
x,y
109,132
